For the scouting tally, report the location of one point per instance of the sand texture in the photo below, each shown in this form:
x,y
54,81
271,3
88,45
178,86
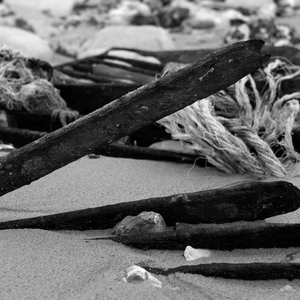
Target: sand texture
x,y
39,264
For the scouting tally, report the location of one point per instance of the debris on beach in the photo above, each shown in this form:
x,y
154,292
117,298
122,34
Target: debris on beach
x,y
145,222
191,253
133,111
241,271
26,85
250,201
137,274
242,129
287,289
232,105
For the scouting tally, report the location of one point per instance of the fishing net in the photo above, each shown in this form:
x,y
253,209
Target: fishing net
x,y
244,129
25,85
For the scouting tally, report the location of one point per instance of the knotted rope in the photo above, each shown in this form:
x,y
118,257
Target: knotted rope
x,y
28,88
241,129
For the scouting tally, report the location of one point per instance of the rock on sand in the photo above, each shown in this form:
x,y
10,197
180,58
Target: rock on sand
x,y
26,42
139,37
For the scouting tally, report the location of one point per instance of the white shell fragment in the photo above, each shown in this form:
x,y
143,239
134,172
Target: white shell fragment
x,y
136,274
192,254
287,289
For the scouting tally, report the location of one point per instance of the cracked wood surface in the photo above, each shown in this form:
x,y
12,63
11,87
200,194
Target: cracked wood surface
x,y
129,113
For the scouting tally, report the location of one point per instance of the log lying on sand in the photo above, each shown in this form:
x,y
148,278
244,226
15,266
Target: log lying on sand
x,y
248,201
127,114
238,235
21,137
128,151
244,271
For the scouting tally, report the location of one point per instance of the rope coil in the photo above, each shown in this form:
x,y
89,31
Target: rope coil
x,y
25,88
241,129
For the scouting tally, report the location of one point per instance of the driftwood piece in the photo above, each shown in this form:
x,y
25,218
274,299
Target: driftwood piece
x,y
248,201
132,111
127,151
244,271
19,137
238,235
22,137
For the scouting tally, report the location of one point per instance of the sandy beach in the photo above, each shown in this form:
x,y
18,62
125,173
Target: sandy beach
x,y
62,265
40,264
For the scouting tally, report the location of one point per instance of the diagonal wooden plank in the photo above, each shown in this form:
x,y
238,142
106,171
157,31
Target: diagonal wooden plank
x,y
132,111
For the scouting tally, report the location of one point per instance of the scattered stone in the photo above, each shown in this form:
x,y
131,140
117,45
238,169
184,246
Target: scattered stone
x,y
139,37
251,5
94,156
201,24
136,274
262,29
127,11
287,289
26,42
172,16
191,253
134,55
55,7
145,222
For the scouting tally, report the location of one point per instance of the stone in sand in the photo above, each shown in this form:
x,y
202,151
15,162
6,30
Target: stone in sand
x,y
55,7
142,223
26,42
147,37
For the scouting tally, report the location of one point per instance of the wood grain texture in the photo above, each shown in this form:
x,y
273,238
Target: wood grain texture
x,y
244,271
132,111
248,201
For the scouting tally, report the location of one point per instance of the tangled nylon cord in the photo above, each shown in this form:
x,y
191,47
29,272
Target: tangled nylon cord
x,y
22,87
242,130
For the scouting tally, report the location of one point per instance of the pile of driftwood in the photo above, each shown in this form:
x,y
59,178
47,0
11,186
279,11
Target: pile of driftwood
x,y
226,218
91,83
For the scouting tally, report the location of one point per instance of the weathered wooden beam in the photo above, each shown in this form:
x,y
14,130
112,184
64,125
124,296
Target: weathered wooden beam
x,y
129,113
244,271
247,201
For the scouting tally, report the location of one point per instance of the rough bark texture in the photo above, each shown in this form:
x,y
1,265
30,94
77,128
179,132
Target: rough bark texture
x,y
22,137
249,201
238,235
245,271
132,111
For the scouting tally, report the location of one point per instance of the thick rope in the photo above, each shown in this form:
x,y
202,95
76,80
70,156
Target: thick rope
x,y
242,130
22,88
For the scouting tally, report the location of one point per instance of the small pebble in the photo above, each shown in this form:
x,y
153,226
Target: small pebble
x,y
287,288
136,274
145,222
93,155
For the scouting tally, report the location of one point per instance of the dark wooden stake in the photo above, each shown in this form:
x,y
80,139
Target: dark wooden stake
x,y
127,114
243,271
238,235
21,137
248,201
191,55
